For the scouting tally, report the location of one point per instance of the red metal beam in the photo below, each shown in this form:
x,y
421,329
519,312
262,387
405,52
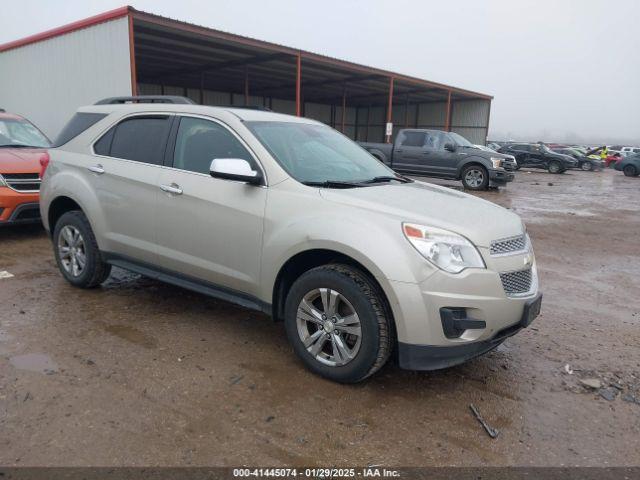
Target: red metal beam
x,y
71,27
447,122
298,84
132,58
389,107
246,85
344,108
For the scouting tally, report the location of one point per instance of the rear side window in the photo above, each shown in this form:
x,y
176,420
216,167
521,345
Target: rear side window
x,y
78,124
413,139
142,139
523,148
200,141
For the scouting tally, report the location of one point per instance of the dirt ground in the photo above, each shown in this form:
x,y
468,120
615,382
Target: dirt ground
x,y
141,373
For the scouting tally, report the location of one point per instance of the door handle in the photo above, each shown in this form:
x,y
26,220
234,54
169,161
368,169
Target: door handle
x,y
173,188
99,169
398,150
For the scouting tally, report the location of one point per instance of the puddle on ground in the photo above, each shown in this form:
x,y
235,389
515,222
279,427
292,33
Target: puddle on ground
x,y
5,337
132,335
34,362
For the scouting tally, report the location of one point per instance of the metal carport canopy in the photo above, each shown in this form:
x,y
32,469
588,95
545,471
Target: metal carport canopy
x,y
173,52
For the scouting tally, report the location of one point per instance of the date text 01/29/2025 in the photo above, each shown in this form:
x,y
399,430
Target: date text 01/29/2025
x,y
368,472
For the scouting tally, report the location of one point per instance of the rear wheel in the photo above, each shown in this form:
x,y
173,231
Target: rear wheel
x,y
554,167
586,166
630,171
475,177
76,251
337,323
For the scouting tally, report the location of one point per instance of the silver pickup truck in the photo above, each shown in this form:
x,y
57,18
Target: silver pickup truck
x,y
434,153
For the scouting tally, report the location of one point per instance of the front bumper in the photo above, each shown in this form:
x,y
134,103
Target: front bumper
x,y
17,208
435,357
499,177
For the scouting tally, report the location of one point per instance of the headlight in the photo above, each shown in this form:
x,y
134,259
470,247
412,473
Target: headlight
x,y
497,162
446,250
3,183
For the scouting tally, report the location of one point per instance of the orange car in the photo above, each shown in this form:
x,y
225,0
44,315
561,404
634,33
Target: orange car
x,y
22,155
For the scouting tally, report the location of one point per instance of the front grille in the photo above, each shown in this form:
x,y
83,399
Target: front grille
x,y
516,283
508,245
23,182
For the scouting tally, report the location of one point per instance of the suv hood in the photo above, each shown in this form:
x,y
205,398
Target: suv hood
x,y
418,202
20,160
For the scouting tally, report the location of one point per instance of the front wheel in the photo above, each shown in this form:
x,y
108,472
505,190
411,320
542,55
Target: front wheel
x,y
337,323
630,171
586,166
475,177
76,251
554,167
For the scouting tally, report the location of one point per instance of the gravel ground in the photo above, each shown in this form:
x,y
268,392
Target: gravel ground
x,y
141,373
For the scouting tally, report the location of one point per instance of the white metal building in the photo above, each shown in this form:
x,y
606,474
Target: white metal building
x,y
47,76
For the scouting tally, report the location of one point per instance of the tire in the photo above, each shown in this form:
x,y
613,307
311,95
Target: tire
x,y
586,166
475,177
630,171
353,293
554,167
74,240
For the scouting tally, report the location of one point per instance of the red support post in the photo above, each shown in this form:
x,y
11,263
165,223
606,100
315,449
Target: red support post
x,y
132,58
389,108
298,84
344,108
447,124
246,85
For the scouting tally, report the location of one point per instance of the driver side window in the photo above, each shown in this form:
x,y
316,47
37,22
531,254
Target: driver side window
x,y
436,140
200,141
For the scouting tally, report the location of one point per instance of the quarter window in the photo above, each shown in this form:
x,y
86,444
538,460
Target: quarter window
x,y
200,141
142,139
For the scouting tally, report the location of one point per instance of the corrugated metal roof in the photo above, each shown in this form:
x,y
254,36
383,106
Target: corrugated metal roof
x,y
332,71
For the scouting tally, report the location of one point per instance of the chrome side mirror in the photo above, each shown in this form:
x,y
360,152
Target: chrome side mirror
x,y
236,169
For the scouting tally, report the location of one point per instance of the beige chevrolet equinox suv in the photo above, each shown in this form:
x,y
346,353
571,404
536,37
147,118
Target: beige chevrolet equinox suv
x,y
285,215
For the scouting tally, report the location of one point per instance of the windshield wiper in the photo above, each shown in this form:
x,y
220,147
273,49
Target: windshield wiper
x,y
333,184
388,178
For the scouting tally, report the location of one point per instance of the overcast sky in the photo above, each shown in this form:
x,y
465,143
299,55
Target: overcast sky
x,y
559,70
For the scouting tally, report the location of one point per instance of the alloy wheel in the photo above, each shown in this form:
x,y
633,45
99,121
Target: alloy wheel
x,y
71,250
329,327
474,178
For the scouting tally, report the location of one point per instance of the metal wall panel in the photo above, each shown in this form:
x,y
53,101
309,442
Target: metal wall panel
x,y
470,113
318,111
432,114
48,80
149,89
477,136
284,106
216,98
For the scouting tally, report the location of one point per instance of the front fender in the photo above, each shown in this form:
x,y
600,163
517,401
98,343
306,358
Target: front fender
x,y
373,240
473,159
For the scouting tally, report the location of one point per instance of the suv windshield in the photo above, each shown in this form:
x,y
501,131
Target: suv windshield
x,y
21,133
318,154
460,140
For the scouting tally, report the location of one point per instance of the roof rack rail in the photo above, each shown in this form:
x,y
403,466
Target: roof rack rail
x,y
175,99
248,107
